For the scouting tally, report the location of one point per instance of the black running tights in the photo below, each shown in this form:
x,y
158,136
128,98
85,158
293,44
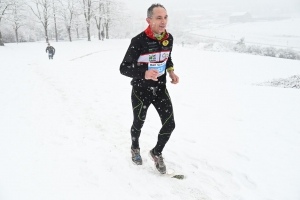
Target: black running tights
x,y
141,99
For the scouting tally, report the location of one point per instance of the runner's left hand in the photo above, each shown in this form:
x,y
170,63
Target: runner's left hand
x,y
174,77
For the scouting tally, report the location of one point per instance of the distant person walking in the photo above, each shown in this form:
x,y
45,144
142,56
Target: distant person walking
x,y
50,50
102,35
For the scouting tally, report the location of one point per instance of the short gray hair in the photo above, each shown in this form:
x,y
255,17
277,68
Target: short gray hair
x,y
150,9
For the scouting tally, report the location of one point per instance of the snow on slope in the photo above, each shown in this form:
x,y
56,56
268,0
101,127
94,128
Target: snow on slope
x,y
65,126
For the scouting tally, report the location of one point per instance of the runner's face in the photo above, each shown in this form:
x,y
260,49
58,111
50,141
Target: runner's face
x,y
159,20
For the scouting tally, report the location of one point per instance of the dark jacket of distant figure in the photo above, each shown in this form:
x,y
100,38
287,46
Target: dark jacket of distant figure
x,y
50,49
143,52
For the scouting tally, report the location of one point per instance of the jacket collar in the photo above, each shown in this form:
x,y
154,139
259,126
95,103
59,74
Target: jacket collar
x,y
150,34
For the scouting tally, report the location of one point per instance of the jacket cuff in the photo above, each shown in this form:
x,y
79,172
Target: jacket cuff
x,y
170,69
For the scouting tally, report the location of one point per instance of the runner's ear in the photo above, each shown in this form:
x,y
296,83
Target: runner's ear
x,y
148,20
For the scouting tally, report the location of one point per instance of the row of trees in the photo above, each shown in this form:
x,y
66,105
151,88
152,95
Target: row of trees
x,y
67,16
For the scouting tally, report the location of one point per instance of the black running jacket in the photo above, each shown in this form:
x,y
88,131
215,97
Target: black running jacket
x,y
145,52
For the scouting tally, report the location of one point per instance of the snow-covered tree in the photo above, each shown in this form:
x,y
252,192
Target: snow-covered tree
x,y
107,17
17,16
37,19
42,10
88,7
4,5
68,10
115,16
54,3
99,14
77,23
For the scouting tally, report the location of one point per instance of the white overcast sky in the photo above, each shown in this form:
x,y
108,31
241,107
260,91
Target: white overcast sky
x,y
139,5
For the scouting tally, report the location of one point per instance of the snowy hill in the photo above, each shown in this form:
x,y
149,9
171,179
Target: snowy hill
x,y
65,126
280,34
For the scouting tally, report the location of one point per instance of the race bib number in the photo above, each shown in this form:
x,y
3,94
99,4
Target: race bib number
x,y
160,67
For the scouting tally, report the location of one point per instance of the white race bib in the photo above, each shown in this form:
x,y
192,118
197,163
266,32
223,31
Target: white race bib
x,y
160,67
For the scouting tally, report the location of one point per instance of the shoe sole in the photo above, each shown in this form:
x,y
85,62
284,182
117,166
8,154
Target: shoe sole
x,y
136,163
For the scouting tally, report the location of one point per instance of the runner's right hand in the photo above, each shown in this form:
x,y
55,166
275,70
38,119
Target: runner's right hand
x,y
151,74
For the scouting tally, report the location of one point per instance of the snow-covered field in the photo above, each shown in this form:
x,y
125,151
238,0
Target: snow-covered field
x,y
64,130
283,33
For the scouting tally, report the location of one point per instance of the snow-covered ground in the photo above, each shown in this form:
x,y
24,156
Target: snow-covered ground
x,y
64,130
283,33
